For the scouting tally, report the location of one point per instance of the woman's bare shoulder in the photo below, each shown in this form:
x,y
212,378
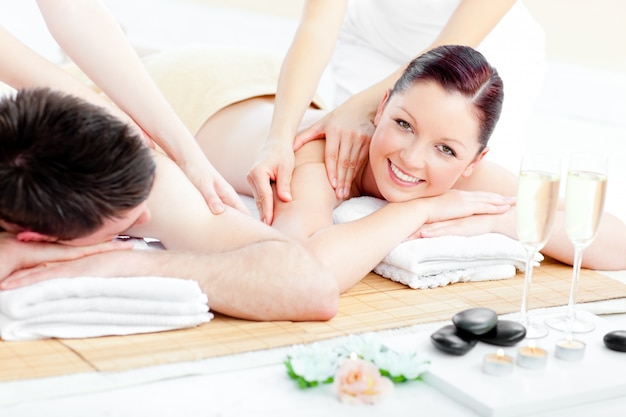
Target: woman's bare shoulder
x,y
489,176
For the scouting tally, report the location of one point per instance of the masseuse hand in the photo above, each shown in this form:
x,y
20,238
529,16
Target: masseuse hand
x,y
16,256
348,131
274,164
216,191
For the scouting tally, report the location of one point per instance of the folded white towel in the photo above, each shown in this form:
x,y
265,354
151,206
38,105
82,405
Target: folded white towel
x,y
93,306
434,262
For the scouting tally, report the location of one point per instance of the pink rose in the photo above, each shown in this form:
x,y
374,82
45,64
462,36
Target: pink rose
x,y
359,381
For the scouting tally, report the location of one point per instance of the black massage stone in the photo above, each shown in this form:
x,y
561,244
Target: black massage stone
x,y
505,333
477,321
616,340
450,340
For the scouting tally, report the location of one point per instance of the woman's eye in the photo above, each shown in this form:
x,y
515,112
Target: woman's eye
x,y
446,150
403,124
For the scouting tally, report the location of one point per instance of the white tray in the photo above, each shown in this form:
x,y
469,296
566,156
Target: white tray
x,y
599,376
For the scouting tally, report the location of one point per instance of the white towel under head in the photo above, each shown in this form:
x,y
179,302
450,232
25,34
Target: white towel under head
x,y
93,306
434,262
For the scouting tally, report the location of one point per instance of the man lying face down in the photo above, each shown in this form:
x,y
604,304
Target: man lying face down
x,y
72,174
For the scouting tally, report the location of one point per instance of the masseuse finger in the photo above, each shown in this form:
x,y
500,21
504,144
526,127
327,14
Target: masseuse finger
x,y
346,165
283,182
232,199
349,167
331,158
262,193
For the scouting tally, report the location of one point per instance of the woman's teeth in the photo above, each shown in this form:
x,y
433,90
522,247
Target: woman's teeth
x,y
401,175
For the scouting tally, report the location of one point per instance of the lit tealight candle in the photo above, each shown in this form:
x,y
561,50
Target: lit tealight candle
x,y
497,363
532,357
569,349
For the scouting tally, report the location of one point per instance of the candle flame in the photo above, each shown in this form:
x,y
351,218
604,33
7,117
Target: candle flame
x,y
500,353
569,338
531,344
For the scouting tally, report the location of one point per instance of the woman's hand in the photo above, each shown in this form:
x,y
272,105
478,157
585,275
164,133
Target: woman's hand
x,y
464,212
468,213
348,131
16,256
274,164
467,226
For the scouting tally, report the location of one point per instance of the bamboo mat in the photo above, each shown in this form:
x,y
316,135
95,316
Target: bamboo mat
x,y
374,304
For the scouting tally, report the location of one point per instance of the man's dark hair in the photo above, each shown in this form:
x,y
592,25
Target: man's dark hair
x,y
66,165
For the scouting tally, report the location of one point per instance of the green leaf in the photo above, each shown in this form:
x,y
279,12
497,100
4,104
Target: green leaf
x,y
398,378
303,383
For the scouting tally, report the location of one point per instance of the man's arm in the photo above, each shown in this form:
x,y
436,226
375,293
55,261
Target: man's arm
x,y
269,280
16,255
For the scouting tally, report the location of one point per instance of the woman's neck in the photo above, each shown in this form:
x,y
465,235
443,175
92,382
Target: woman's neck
x,y
364,183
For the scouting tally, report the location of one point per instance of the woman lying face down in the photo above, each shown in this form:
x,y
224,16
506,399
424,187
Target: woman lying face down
x,y
425,159
431,131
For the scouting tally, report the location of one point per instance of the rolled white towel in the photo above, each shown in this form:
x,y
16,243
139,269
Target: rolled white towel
x,y
434,262
94,306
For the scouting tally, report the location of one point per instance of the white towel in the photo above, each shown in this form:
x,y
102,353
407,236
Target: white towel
x,y
93,306
435,262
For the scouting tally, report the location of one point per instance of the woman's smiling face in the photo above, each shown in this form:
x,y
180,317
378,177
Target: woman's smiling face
x,y
425,140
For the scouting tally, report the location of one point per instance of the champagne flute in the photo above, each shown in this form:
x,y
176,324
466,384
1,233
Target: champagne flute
x,y
584,203
537,201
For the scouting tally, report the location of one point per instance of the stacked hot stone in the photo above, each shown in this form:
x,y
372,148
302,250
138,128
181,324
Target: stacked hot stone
x,y
473,325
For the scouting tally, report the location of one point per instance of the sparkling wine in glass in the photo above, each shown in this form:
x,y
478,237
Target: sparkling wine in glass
x,y
584,204
537,201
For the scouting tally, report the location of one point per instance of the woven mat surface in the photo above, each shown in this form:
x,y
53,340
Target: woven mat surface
x,y
375,303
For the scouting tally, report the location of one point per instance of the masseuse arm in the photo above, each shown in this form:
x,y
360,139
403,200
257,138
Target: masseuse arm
x,y
21,67
302,68
470,23
90,35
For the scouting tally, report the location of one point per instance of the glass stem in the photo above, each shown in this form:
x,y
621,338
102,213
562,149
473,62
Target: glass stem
x,y
528,273
571,305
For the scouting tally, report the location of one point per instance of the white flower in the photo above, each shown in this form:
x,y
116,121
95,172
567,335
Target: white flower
x,y
366,346
313,363
408,365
